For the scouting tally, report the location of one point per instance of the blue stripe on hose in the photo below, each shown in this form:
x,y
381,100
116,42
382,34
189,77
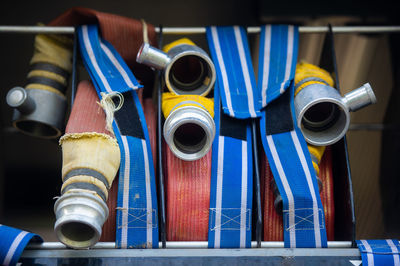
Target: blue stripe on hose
x,y
137,223
230,213
286,150
379,252
274,72
12,243
235,75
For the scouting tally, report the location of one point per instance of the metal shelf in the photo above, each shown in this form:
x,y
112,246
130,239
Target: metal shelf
x,y
256,256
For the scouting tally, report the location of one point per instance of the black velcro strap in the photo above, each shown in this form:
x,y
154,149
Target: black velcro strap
x,y
49,82
278,115
88,186
233,127
50,68
87,172
128,119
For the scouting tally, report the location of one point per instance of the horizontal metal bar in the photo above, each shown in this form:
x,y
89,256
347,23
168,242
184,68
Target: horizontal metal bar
x,y
37,29
374,127
130,253
180,245
202,30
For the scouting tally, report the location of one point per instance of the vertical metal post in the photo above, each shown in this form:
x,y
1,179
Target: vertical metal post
x,y
161,195
256,177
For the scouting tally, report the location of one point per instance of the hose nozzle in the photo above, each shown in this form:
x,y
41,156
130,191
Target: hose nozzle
x,y
38,113
189,132
80,217
323,114
187,68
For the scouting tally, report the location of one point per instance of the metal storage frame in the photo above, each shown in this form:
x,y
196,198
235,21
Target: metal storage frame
x,y
338,252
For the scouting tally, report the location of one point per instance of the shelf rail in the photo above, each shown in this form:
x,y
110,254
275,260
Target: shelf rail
x,y
180,245
202,30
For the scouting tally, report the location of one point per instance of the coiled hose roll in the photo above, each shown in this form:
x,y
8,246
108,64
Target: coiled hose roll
x,y
306,74
91,158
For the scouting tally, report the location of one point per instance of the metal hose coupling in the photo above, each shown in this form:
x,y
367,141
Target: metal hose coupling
x,y
322,113
39,108
189,128
91,158
187,68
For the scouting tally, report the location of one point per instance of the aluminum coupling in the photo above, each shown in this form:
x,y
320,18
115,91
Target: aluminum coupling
x,y
38,113
189,132
80,218
187,68
323,114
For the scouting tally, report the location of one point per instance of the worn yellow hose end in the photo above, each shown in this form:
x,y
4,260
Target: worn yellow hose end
x,y
90,162
171,101
54,50
171,45
51,64
306,70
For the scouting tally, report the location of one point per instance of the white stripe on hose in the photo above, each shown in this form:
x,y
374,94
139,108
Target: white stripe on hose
x,y
245,71
370,256
125,195
288,191
90,52
243,205
116,63
14,247
310,184
265,66
221,64
394,250
218,204
289,57
148,197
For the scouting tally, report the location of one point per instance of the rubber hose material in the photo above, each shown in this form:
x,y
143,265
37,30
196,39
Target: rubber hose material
x,y
51,64
306,70
109,227
171,45
171,102
187,197
91,154
273,226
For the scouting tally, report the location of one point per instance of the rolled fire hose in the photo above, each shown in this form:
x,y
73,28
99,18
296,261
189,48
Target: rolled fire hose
x,y
126,36
91,159
323,115
150,113
189,131
307,76
187,68
187,181
39,108
272,219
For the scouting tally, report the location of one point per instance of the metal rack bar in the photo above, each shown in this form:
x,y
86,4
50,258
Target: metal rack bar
x,y
181,245
289,256
202,30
